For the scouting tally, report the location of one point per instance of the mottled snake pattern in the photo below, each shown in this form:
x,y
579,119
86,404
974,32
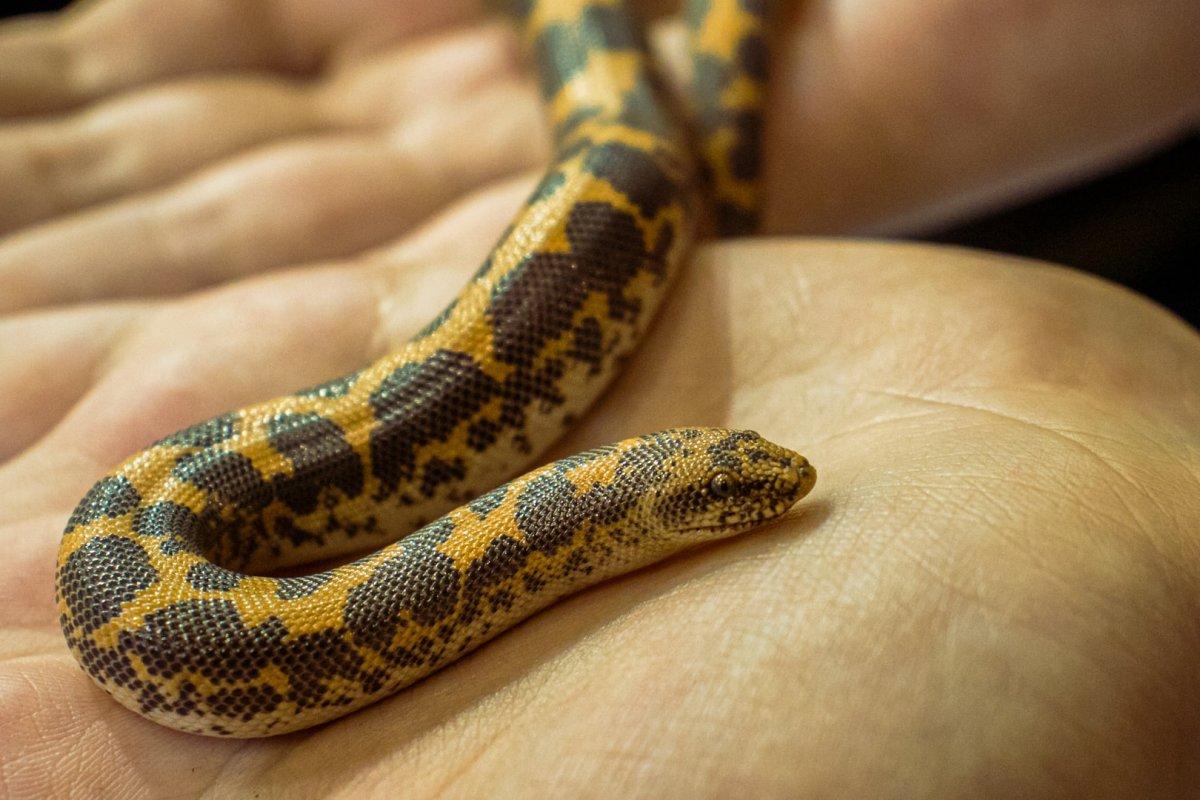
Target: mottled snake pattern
x,y
163,583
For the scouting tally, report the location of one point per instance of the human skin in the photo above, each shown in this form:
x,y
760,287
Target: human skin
x,y
993,590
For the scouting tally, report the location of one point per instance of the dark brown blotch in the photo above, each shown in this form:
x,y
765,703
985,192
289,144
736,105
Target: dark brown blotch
x,y
321,457
100,577
418,583
422,403
111,496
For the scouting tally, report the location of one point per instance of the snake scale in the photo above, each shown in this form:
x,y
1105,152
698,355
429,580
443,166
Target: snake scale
x,y
162,580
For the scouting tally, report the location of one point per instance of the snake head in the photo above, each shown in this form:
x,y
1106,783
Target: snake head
x,y
716,482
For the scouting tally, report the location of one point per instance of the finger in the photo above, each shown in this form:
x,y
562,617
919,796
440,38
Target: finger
x,y
465,231
144,139
435,69
137,142
188,360
991,101
26,609
99,48
47,362
293,203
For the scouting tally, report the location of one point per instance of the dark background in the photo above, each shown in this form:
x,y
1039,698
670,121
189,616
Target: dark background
x,y
1139,226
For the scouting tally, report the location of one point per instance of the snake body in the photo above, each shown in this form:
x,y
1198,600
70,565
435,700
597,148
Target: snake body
x,y
160,584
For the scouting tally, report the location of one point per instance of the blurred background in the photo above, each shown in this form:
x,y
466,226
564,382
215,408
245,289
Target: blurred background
x,y
1139,226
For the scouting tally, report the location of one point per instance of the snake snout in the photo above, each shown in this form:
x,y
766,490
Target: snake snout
x,y
799,474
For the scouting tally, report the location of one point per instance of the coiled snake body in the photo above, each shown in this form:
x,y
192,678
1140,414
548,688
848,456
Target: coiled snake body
x,y
159,582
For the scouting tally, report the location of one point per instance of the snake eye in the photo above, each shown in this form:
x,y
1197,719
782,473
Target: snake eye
x,y
720,485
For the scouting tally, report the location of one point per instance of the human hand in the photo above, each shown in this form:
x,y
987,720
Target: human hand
x,y
992,590
197,142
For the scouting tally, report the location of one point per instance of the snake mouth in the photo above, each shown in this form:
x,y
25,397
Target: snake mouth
x,y
740,527
763,517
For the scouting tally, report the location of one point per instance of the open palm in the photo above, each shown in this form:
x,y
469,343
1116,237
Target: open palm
x,y
993,590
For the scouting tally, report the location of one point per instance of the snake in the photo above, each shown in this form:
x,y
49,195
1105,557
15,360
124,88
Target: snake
x,y
181,580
